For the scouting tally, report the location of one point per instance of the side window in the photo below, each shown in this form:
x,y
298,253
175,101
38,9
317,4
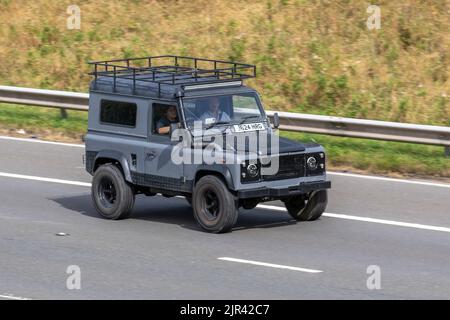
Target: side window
x,y
245,102
163,116
244,105
118,113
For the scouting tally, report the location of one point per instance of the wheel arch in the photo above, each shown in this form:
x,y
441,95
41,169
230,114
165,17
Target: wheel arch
x,y
114,157
218,171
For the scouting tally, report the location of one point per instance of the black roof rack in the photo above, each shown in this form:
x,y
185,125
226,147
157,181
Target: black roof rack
x,y
172,70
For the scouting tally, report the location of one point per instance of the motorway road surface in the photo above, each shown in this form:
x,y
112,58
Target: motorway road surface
x,y
403,227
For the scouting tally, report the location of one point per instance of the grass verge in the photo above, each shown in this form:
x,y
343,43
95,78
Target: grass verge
x,y
380,157
44,123
357,155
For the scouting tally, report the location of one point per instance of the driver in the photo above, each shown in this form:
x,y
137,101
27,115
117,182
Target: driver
x,y
214,111
170,116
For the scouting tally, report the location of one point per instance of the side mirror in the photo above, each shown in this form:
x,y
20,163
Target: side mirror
x,y
276,120
173,128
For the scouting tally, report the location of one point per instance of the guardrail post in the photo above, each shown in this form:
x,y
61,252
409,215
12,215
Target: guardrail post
x,y
63,113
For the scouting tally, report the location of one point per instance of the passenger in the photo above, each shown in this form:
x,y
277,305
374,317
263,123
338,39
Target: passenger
x,y
170,116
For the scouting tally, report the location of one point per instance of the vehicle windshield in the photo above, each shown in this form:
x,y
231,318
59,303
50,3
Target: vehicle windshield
x,y
222,110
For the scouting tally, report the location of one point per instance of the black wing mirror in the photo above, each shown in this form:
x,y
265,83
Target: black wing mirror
x,y
276,120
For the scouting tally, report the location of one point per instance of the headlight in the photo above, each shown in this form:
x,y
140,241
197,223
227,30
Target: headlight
x,y
315,164
252,170
312,163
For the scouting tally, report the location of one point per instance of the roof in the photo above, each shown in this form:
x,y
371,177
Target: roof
x,y
165,76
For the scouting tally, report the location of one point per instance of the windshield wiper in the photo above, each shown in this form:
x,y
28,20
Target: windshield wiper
x,y
216,123
244,118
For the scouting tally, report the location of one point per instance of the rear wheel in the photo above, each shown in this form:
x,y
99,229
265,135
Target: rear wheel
x,y
113,197
215,207
307,210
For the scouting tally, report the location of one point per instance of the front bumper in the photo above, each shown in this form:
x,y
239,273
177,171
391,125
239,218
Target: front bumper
x,y
284,192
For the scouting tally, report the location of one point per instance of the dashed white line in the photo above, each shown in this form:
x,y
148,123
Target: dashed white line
x,y
260,206
270,265
11,297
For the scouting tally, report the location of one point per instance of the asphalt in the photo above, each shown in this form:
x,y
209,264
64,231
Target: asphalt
x,y
160,253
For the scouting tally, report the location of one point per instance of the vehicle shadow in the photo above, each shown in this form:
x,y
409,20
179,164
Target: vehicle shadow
x,y
176,211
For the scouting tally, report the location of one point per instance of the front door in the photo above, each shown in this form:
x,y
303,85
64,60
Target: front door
x,y
160,171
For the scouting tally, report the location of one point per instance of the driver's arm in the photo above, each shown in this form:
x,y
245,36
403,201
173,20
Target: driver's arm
x,y
164,130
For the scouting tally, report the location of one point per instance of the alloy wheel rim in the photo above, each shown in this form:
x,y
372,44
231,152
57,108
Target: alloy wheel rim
x,y
210,205
107,192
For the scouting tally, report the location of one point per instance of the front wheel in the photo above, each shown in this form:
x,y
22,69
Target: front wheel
x,y
307,210
215,207
113,197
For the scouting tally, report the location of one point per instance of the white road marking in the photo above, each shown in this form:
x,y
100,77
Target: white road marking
x,y
11,297
21,176
362,176
366,219
387,222
260,206
270,265
42,141
353,175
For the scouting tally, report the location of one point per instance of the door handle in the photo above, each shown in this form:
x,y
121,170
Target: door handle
x,y
151,155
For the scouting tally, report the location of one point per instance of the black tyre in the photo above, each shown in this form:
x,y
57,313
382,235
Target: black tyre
x,y
215,207
307,210
113,197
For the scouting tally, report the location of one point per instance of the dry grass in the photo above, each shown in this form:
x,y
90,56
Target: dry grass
x,y
312,56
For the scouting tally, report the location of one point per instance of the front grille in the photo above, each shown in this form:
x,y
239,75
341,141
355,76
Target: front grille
x,y
290,166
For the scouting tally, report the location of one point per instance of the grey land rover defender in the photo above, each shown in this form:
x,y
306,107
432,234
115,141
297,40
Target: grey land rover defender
x,y
137,105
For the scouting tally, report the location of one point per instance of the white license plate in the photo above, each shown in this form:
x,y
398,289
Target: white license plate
x,y
248,127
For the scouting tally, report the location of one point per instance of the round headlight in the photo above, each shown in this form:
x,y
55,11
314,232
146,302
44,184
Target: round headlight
x,y
252,170
312,163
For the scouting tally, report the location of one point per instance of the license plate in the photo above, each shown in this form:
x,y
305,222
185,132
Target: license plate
x,y
248,127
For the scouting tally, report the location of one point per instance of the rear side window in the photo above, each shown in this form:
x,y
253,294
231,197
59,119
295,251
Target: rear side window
x,y
118,113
